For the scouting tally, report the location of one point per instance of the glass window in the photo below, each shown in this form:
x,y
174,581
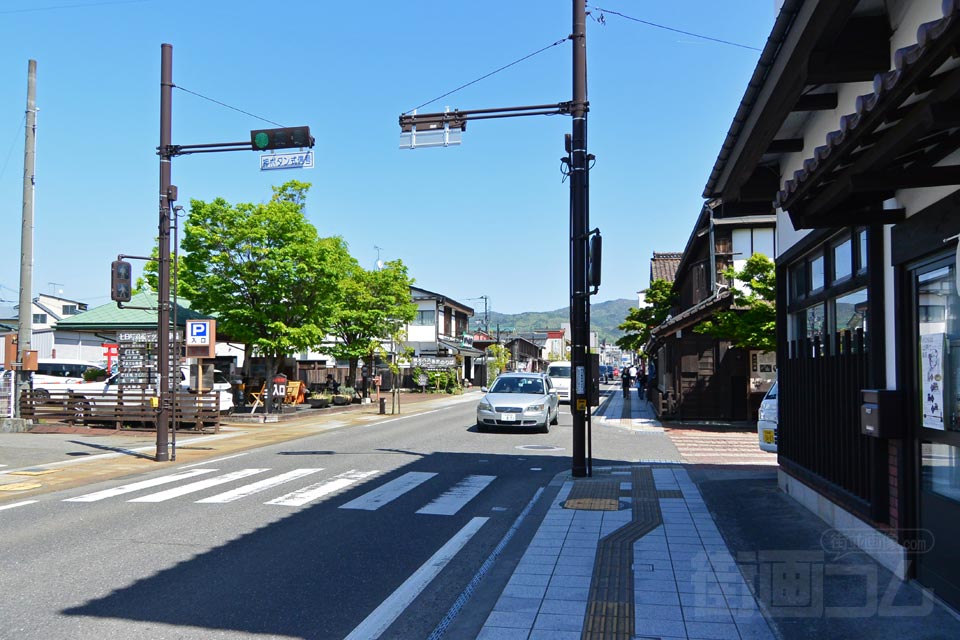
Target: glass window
x,y
862,248
843,260
941,470
939,335
798,281
425,318
70,310
39,318
813,321
816,273
850,311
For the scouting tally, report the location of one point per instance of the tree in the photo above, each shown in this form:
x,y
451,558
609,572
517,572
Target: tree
x,y
640,322
751,323
372,306
149,279
263,271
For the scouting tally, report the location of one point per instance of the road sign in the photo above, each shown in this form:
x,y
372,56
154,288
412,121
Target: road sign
x,y
295,160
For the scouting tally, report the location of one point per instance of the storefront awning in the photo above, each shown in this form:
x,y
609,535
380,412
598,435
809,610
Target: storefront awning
x,y
460,349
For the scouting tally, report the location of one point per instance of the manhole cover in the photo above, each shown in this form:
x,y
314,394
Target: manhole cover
x,y
539,447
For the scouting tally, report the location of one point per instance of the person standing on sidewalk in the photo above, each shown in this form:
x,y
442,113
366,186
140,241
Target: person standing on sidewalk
x,y
626,378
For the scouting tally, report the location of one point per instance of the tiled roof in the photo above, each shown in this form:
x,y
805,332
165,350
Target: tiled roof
x,y
890,90
663,265
109,317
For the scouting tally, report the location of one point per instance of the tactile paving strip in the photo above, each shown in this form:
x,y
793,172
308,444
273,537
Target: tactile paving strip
x,y
610,607
594,495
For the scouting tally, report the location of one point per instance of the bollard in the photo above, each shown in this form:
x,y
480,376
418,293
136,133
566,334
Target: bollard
x,y
383,406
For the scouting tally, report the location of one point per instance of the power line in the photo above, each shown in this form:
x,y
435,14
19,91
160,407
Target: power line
x,y
666,28
223,104
72,6
13,142
484,77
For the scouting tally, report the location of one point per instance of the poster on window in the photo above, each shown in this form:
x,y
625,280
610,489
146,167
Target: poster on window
x,y
931,379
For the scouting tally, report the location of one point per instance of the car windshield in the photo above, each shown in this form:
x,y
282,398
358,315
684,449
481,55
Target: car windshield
x,y
517,385
558,371
772,393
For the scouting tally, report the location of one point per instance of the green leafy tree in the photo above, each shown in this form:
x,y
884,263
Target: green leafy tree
x,y
501,358
149,279
264,272
372,306
640,322
751,323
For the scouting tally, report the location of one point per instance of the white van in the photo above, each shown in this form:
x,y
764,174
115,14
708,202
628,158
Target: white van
x,y
559,372
53,373
767,420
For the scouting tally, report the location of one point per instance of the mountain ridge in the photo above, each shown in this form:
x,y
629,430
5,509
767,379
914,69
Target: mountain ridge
x,y
604,319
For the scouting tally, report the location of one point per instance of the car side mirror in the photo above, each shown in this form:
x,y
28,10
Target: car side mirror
x,y
484,389
552,390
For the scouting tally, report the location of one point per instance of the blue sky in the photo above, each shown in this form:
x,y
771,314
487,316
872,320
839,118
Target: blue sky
x,y
488,218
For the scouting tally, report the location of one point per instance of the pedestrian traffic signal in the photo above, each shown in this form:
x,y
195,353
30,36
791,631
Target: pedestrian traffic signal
x,y
120,281
284,138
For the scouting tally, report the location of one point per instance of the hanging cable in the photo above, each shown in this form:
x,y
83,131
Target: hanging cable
x,y
602,20
223,104
506,66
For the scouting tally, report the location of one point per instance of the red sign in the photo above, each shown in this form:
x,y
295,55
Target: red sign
x,y
110,350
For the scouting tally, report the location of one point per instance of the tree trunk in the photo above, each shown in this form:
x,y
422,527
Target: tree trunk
x,y
352,376
268,383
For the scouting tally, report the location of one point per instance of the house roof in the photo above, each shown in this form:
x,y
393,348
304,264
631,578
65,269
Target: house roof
x,y
663,265
108,317
430,295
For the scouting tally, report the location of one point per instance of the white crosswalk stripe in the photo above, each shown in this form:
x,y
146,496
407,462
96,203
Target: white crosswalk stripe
x,y
453,500
313,492
137,486
373,500
257,487
200,485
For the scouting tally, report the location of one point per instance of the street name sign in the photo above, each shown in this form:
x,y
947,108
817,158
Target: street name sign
x,y
295,160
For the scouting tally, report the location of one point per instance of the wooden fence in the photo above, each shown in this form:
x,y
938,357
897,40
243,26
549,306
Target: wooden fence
x,y
123,408
819,418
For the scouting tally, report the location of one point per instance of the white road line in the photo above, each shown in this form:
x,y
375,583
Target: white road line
x,y
301,497
197,486
136,486
17,504
214,461
459,495
373,500
383,616
256,487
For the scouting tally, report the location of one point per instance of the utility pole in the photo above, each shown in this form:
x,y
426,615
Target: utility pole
x,y
25,328
163,295
579,232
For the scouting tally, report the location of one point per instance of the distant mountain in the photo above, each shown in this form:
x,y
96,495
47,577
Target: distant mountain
x,y
604,318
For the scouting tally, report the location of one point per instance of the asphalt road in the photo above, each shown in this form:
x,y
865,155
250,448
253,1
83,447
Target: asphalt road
x,y
368,529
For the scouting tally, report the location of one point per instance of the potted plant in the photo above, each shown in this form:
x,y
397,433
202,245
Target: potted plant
x,y
344,396
319,400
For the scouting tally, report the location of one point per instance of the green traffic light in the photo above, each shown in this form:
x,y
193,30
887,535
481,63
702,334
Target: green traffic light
x,y
261,140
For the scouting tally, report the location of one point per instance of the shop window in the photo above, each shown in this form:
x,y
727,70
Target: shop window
x,y
850,311
798,281
842,260
941,470
939,335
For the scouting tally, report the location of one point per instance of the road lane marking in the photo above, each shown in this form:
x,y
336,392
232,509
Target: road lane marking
x,y
17,504
136,486
256,487
301,497
215,461
197,486
390,609
460,494
373,500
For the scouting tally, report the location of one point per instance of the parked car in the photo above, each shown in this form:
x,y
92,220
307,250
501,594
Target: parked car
x,y
221,384
767,420
559,373
53,373
519,400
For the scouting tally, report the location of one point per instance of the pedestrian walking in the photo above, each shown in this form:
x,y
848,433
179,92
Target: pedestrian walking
x,y
626,379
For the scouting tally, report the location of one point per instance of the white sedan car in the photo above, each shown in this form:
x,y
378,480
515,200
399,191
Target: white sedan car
x,y
519,400
767,421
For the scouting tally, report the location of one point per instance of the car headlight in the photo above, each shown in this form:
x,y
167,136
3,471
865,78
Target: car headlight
x,y
484,406
535,408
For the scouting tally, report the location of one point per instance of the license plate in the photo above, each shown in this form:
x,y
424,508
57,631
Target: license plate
x,y
768,436
508,417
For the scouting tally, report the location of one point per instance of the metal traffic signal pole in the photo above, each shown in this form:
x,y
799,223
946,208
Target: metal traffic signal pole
x,y
163,295
579,232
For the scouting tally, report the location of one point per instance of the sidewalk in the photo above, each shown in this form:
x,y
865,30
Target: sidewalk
x,y
637,552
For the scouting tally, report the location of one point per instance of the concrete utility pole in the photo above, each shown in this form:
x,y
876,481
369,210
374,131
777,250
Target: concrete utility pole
x,y
25,329
163,295
579,232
